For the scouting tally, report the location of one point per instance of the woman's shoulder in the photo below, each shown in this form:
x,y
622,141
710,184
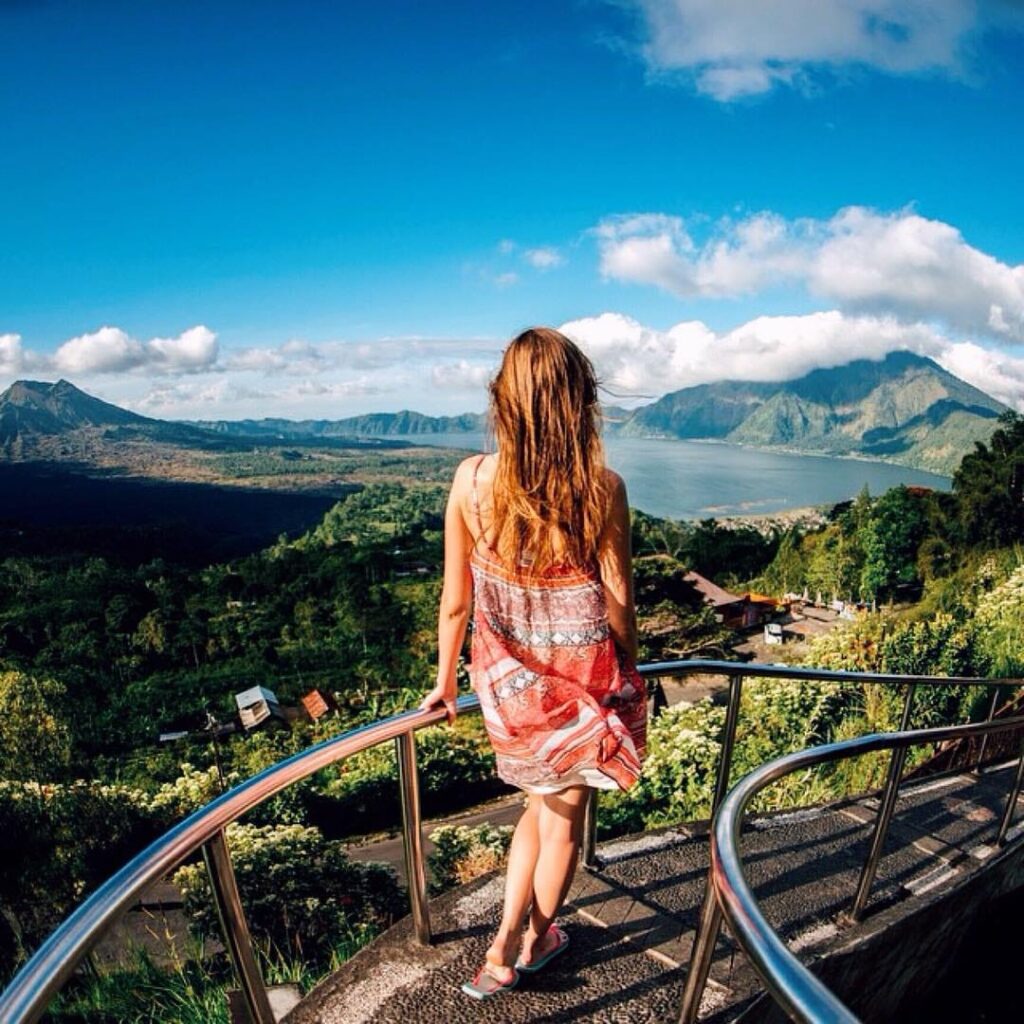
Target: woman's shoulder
x,y
473,464
475,469
615,485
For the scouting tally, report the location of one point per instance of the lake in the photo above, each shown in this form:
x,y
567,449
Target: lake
x,y
700,479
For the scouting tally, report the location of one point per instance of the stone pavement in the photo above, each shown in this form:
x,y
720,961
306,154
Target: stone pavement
x,y
632,921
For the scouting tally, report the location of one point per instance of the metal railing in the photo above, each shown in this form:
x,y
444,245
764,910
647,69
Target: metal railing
x,y
27,996
803,996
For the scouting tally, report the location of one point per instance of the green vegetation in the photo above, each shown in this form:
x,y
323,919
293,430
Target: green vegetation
x,y
304,898
320,463
464,852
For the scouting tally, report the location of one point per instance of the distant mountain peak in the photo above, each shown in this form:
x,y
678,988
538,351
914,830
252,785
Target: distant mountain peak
x,y
903,407
33,407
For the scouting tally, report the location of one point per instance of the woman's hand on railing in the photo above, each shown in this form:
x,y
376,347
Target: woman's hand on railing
x,y
442,694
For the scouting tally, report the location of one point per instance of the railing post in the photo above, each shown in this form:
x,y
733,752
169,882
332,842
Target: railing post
x,y
984,739
728,741
1011,803
589,846
235,929
704,943
711,915
885,809
412,835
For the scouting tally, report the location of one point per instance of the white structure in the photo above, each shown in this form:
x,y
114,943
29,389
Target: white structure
x,y
256,705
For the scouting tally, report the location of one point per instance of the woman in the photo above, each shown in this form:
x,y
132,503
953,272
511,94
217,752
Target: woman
x,y
537,541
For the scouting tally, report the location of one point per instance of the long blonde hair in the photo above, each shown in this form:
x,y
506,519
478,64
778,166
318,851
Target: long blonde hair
x,y
550,495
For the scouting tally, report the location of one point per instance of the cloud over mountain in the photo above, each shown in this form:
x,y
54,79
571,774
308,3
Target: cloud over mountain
x,y
637,360
865,261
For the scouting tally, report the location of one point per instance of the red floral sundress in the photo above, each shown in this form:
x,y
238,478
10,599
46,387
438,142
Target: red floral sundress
x,y
561,704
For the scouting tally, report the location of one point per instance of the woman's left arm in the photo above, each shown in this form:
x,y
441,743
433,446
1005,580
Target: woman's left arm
x,y
615,562
456,600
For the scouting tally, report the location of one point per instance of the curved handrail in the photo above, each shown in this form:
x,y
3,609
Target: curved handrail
x,y
26,997
699,666
803,996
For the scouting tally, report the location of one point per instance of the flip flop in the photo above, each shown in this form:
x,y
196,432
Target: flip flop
x,y
559,947
486,986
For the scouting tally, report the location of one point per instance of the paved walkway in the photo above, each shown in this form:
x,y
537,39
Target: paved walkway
x,y
632,922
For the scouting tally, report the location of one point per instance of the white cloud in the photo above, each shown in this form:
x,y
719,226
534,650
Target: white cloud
x,y
333,389
11,356
866,261
461,376
731,49
194,349
545,257
639,361
256,360
169,397
300,379
108,350
917,267
648,248
996,373
112,350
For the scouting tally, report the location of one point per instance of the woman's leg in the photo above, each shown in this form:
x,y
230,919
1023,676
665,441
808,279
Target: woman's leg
x,y
560,829
519,885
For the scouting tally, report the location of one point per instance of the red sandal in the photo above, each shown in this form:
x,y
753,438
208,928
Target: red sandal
x,y
485,985
560,946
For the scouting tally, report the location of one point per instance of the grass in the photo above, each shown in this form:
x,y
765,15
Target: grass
x,y
191,991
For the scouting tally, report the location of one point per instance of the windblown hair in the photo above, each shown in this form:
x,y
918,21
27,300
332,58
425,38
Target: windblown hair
x,y
550,495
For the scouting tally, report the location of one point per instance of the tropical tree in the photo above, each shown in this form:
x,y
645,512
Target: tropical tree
x,y
989,486
35,742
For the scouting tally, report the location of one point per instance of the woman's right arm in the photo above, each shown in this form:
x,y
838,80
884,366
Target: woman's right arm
x,y
615,561
456,597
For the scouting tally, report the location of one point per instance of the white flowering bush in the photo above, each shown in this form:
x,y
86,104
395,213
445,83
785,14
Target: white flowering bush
x,y
192,789
1000,618
678,779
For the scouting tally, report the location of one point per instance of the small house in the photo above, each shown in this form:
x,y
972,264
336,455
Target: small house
x,y
256,705
316,705
739,611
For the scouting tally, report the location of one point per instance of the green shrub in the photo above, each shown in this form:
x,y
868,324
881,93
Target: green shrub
x,y
58,842
464,852
35,741
303,896
456,766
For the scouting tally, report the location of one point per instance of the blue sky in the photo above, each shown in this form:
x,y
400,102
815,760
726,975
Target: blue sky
x,y
229,209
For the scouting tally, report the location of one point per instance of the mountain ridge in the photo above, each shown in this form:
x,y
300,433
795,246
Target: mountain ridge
x,y
903,408
872,408
374,424
35,412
